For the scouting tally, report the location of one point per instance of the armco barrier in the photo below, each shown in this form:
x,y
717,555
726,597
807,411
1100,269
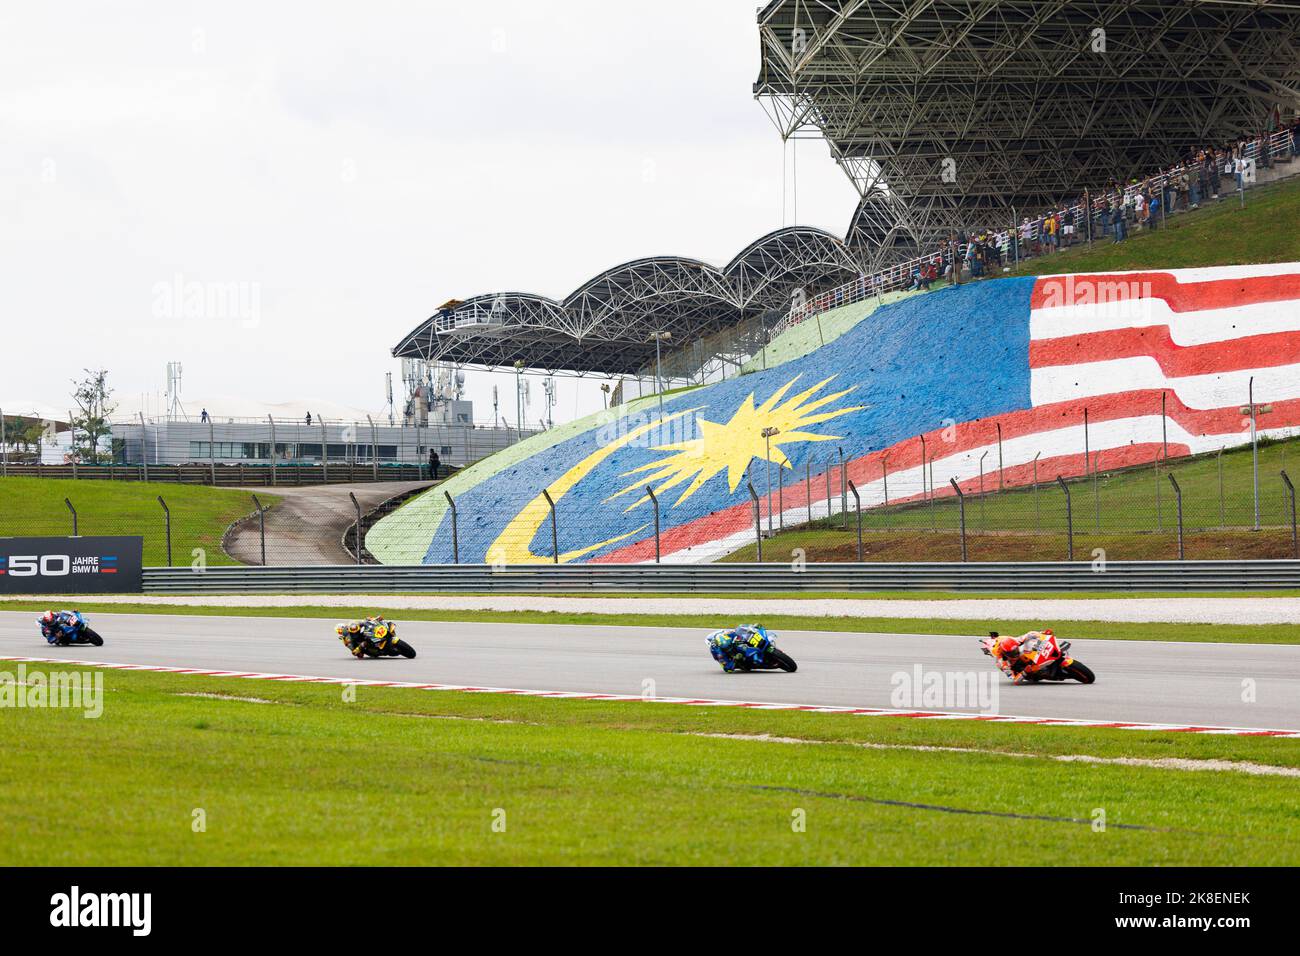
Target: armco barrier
x,y
667,578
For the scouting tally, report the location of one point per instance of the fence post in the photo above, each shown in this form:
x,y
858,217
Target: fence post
x,y
1222,511
357,505
144,450
1069,520
212,452
555,528
758,521
74,516
1295,541
1096,492
857,504
374,449
1001,467
780,497
272,421
261,525
4,448
654,501
455,535
1178,497
884,470
844,489
830,510
961,509
807,480
324,451
167,525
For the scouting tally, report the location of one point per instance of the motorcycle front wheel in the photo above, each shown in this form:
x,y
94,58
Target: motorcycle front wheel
x,y
783,660
1079,672
403,648
90,637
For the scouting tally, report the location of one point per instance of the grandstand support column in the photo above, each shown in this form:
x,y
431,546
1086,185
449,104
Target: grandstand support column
x,y
212,452
324,451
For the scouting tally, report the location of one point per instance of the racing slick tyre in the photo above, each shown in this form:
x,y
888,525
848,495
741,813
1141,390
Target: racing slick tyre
x,y
783,661
403,648
1079,672
91,637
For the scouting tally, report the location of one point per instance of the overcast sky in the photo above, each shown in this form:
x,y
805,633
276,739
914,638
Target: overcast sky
x,y
343,168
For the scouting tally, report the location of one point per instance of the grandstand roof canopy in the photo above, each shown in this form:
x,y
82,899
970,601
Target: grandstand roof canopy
x,y
604,327
944,111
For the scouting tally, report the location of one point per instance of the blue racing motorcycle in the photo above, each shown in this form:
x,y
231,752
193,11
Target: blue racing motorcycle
x,y
749,647
66,628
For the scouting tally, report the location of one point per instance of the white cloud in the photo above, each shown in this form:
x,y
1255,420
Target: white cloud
x,y
358,165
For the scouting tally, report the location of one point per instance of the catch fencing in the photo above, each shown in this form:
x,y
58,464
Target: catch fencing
x,y
725,578
1232,504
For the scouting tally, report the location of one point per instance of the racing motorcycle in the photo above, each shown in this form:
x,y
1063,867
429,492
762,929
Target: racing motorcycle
x,y
375,638
755,650
67,629
1048,659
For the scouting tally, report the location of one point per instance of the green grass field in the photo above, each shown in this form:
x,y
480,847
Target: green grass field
x,y
1092,630
1216,234
296,775
200,515
1132,514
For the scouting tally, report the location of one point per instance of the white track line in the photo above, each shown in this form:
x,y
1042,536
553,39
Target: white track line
x,y
689,701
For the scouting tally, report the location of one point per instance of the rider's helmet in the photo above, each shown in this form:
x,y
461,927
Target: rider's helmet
x,y
353,627
1047,632
48,618
1009,647
339,629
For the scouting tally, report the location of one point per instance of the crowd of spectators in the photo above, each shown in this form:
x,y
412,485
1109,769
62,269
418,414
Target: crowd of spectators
x,y
1116,210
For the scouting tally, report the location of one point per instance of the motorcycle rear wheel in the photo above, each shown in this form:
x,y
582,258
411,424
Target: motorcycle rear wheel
x,y
1080,672
403,648
783,660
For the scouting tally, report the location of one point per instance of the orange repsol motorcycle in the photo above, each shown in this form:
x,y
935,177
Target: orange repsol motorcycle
x,y
1036,656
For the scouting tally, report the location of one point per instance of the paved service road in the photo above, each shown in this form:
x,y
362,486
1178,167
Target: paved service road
x,y
1136,681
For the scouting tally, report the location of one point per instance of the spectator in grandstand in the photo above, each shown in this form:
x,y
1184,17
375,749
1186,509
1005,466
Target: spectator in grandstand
x,y
309,418
434,463
203,416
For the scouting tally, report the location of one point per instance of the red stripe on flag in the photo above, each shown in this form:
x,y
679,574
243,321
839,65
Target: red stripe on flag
x,y
1176,361
1083,290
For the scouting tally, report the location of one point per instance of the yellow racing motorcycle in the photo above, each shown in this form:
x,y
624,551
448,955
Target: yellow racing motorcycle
x,y
373,637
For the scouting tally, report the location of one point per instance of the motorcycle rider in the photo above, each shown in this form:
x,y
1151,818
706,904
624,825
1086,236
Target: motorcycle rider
x,y
1015,655
58,627
732,649
354,634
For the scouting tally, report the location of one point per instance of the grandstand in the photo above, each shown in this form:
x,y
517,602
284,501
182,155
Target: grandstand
x,y
605,326
953,114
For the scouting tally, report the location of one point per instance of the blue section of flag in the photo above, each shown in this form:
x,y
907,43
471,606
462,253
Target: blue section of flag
x,y
954,355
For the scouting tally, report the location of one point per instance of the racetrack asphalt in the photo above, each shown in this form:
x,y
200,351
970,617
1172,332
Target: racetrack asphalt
x,y
1137,681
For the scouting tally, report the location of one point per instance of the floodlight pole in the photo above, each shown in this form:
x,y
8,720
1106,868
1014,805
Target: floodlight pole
x,y
767,434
